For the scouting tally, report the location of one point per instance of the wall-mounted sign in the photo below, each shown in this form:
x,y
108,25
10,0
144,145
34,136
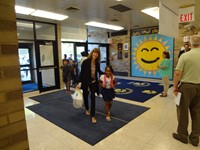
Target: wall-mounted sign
x,y
186,14
119,46
145,31
146,54
125,46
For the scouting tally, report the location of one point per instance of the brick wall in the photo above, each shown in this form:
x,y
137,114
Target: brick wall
x,y
13,131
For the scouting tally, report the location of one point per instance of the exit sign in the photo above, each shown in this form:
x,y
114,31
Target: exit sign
x,y
186,14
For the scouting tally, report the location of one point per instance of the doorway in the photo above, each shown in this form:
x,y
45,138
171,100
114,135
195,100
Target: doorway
x,y
104,56
27,66
47,65
73,50
39,66
79,48
38,55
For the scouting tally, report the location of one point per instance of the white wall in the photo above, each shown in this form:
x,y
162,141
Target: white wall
x,y
169,18
73,33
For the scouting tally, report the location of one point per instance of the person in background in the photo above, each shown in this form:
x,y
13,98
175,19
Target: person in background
x,y
186,49
88,81
65,56
66,73
83,57
70,57
107,83
73,66
166,71
187,72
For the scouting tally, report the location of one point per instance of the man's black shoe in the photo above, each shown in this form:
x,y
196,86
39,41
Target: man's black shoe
x,y
179,138
194,143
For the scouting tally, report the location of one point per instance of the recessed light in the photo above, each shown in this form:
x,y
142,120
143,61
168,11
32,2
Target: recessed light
x,y
103,25
49,15
39,13
23,10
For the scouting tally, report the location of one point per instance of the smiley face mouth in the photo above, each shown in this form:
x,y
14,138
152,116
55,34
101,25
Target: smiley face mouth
x,y
150,61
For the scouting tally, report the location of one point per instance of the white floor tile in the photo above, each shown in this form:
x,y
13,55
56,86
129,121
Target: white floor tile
x,y
150,131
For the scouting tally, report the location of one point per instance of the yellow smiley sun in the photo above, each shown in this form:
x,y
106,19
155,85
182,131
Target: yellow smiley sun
x,y
148,54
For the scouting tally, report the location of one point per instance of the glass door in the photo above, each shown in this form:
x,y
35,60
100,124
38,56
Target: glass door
x,y
104,56
25,64
79,48
47,65
73,51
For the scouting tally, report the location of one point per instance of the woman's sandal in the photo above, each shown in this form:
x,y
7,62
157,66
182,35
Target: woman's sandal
x,y
108,118
87,112
94,120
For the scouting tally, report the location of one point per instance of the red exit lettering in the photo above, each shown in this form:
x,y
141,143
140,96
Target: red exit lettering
x,y
186,17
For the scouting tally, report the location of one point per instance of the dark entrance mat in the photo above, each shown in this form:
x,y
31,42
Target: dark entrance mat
x,y
139,91
61,112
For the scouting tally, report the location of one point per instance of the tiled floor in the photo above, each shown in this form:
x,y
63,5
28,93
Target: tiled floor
x,y
150,131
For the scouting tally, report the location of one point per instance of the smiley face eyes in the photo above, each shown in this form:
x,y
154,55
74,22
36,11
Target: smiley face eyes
x,y
146,49
154,48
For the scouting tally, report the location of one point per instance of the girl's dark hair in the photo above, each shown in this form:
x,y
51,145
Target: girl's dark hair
x,y
166,54
65,60
110,67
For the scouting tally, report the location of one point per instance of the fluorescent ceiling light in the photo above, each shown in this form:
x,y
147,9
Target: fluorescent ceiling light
x,y
49,15
153,12
39,13
23,10
103,25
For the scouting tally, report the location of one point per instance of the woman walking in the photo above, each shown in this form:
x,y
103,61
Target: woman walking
x,y
88,81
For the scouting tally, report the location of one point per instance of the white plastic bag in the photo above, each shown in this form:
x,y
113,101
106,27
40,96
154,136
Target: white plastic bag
x,y
77,98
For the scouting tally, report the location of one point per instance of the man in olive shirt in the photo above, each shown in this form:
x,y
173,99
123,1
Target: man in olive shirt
x,y
188,73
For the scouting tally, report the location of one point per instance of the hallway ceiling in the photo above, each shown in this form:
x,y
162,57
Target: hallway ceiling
x,y
126,13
